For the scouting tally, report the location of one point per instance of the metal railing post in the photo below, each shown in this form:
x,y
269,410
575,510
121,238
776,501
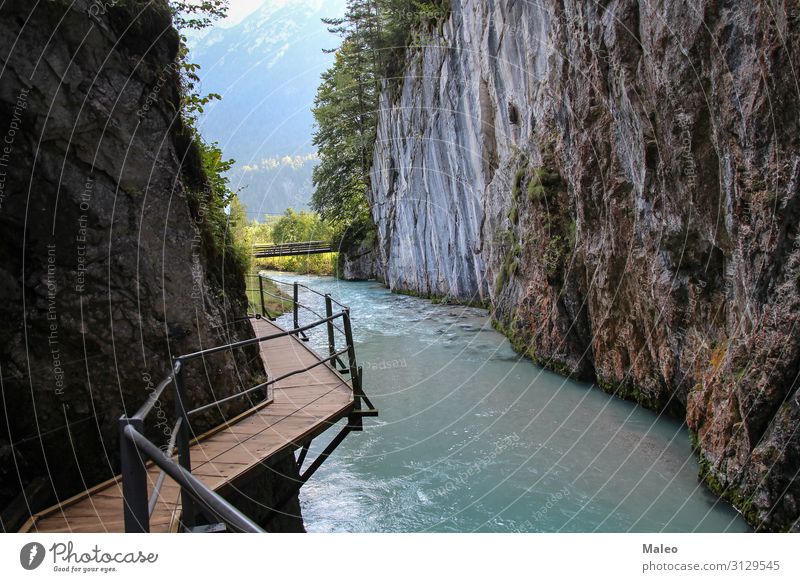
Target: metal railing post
x,y
188,516
351,357
134,480
261,294
331,337
296,298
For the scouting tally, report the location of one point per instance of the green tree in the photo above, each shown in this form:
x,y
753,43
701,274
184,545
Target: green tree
x,y
294,226
187,15
344,111
374,34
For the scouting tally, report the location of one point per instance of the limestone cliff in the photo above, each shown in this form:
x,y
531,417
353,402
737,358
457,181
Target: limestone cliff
x,y
620,179
107,265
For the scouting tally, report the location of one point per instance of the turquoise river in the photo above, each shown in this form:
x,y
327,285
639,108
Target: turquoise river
x,y
472,437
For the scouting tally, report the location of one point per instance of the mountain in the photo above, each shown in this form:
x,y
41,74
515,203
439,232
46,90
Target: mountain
x,y
267,69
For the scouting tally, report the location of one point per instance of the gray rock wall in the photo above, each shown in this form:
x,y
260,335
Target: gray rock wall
x,y
107,264
621,180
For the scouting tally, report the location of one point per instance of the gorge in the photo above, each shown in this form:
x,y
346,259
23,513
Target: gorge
x,y
616,182
619,181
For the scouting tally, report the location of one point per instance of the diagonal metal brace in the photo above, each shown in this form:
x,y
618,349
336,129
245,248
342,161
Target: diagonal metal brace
x,y
337,440
301,459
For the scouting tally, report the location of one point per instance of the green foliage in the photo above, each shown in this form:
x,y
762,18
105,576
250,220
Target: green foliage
x,y
535,191
240,244
220,216
517,184
543,181
547,190
519,336
513,214
217,211
554,255
197,15
510,265
299,227
344,110
272,302
188,15
193,103
353,239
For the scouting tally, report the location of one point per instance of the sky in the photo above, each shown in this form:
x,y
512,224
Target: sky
x,y
238,10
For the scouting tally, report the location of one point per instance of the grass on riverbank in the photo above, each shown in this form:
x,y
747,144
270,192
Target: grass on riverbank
x,y
276,302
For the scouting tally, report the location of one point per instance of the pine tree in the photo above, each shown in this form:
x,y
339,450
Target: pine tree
x,y
374,34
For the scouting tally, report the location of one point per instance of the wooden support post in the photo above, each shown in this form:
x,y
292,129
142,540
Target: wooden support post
x,y
134,480
188,517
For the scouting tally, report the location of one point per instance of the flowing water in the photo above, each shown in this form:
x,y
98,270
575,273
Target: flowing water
x,y
472,437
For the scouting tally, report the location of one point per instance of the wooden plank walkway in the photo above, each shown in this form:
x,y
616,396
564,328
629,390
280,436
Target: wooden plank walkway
x,y
303,406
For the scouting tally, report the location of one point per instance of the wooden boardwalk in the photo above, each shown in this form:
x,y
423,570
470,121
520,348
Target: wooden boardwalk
x,y
303,406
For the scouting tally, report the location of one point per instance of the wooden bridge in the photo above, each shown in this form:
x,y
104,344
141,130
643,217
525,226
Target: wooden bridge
x,y
178,490
314,247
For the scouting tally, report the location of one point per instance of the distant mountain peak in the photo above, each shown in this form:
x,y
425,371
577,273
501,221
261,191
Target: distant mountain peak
x,y
267,69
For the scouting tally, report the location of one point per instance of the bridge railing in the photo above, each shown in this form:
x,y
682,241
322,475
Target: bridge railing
x,y
292,249
292,245
196,498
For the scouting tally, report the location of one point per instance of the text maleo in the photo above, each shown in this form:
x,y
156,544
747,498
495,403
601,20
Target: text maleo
x,y
659,549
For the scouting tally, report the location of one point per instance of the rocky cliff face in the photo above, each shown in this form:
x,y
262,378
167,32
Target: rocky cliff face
x,y
107,266
621,180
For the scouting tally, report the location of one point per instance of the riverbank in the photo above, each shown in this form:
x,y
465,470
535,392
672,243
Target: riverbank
x,y
266,297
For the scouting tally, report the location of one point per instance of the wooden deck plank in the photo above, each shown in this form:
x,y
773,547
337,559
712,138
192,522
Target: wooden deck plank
x,y
303,406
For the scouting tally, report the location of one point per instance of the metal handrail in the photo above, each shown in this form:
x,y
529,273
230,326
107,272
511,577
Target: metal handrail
x,y
312,311
307,288
148,405
200,492
266,384
160,481
258,340
301,242
297,303
133,443
289,299
304,306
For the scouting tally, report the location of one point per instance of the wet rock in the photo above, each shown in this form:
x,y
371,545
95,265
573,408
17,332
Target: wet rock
x,y
621,180
106,268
